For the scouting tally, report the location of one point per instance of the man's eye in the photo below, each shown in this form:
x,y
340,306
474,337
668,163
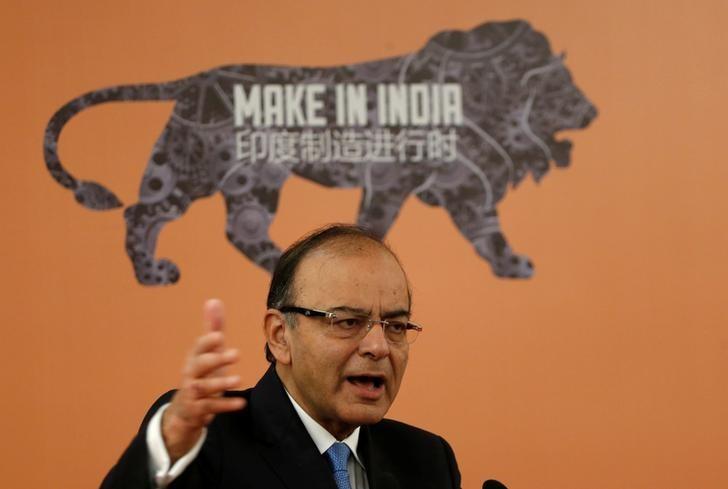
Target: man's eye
x,y
349,323
397,327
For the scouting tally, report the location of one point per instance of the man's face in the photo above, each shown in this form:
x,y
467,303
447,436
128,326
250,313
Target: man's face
x,y
344,383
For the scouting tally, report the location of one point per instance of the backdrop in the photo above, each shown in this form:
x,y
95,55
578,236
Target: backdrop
x,y
607,368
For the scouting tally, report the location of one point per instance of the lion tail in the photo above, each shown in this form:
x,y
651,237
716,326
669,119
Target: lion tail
x,y
91,194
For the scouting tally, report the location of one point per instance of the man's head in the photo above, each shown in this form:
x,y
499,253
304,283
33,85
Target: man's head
x,y
340,382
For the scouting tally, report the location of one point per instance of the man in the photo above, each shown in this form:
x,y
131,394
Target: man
x,y
337,335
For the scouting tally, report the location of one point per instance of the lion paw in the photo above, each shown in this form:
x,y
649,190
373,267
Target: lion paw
x,y
158,272
513,266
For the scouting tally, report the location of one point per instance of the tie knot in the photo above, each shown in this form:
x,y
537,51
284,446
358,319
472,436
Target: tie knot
x,y
338,454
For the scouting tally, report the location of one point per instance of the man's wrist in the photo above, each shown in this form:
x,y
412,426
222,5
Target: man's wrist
x,y
179,436
163,468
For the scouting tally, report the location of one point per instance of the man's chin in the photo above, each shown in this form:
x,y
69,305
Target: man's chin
x,y
359,414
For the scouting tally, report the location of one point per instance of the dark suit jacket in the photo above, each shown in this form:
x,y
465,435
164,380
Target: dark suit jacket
x,y
266,446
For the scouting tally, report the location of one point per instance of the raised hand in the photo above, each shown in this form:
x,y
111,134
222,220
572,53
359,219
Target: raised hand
x,y
204,378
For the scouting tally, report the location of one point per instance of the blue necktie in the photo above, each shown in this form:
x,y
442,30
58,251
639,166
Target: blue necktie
x,y
338,455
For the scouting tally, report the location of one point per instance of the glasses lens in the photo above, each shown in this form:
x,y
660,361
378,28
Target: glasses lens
x,y
397,332
347,325
412,332
351,326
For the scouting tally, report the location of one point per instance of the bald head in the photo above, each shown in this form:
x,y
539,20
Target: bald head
x,y
337,240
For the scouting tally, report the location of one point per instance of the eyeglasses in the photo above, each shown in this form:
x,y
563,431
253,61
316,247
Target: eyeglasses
x,y
347,325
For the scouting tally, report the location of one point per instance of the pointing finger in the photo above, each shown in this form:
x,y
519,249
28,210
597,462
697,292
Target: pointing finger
x,y
209,363
213,314
214,341
215,386
215,405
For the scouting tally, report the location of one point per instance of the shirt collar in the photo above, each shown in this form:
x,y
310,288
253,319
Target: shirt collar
x,y
322,438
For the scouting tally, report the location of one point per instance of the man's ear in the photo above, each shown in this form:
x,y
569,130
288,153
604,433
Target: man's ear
x,y
276,335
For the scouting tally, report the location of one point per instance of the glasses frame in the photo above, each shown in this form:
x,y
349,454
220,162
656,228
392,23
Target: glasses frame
x,y
370,322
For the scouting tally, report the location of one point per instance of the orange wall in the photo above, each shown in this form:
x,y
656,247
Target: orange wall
x,y
608,369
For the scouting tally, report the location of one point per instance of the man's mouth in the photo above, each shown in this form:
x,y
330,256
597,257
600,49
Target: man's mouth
x,y
370,383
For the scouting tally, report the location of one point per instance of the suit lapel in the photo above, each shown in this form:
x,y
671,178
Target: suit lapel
x,y
285,444
379,468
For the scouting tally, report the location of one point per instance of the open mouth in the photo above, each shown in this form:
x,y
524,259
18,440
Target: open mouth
x,y
560,151
368,382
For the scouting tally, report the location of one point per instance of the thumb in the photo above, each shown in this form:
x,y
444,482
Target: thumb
x,y
213,315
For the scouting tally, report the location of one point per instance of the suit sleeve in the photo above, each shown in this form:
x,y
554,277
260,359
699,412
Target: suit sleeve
x,y
162,470
133,471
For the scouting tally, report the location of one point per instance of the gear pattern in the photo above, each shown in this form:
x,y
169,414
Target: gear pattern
x,y
516,96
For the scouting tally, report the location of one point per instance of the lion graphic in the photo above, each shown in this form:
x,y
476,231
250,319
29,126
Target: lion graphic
x,y
516,95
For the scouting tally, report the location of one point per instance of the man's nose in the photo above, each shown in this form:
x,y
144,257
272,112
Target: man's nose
x,y
375,342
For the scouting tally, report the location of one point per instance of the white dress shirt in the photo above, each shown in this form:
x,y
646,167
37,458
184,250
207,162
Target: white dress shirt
x,y
323,440
163,474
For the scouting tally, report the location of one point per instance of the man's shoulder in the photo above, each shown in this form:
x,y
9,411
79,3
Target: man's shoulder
x,y
397,431
429,458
